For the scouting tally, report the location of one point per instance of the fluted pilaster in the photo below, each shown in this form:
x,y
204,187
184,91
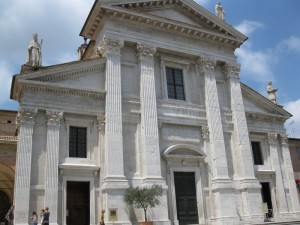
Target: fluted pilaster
x,y
150,138
111,49
25,121
288,175
52,158
243,153
218,152
275,159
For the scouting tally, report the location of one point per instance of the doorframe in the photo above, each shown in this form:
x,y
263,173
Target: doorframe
x,y
193,160
91,181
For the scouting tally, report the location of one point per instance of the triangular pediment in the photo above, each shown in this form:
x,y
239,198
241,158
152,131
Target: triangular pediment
x,y
182,16
173,14
84,76
256,104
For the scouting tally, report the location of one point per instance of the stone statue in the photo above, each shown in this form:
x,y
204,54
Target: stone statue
x,y
219,11
271,91
34,55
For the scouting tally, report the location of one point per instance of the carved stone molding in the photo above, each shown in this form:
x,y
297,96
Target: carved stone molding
x,y
145,52
54,117
284,139
8,139
101,122
25,115
206,64
231,71
272,138
205,132
110,45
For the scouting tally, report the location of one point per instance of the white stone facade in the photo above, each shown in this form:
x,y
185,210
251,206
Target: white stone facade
x,y
137,135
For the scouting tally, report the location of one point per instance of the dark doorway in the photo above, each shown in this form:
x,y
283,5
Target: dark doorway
x,y
186,199
266,197
78,203
4,206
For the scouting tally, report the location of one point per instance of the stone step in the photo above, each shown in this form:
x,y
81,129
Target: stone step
x,y
280,223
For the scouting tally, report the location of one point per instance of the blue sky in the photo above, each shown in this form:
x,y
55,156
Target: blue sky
x,y
272,51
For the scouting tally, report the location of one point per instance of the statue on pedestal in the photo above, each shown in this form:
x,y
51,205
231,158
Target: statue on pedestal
x,y
219,11
271,91
34,55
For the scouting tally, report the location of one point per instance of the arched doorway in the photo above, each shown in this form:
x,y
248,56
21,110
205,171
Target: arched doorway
x,y
4,206
186,169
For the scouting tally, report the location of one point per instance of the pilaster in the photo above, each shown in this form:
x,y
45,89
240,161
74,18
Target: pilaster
x,y
289,179
149,124
279,182
114,166
218,152
244,177
25,121
221,185
52,158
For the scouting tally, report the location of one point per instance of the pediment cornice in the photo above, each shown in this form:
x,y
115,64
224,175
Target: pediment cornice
x,y
54,88
276,112
210,28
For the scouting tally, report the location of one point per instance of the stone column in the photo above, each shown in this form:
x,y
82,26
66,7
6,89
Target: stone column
x,y
276,165
289,179
149,124
25,120
244,168
51,168
114,166
221,183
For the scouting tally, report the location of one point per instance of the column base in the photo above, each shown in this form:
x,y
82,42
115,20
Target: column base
x,y
114,183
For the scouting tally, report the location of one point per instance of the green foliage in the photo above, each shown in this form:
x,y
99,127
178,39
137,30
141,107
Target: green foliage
x,y
143,197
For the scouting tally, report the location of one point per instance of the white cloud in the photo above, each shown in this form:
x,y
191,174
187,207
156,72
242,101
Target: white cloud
x,y
247,27
255,64
293,124
57,22
293,44
5,81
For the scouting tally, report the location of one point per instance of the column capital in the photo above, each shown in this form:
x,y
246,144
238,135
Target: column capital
x,y
206,64
231,70
26,115
101,122
272,138
145,52
110,45
54,117
284,139
205,132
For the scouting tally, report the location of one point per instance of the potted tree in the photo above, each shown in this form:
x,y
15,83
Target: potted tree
x,y
143,198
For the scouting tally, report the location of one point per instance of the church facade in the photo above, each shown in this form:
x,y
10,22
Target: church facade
x,y
155,98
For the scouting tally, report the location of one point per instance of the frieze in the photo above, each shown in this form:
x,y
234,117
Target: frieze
x,y
181,133
54,117
25,115
187,110
8,139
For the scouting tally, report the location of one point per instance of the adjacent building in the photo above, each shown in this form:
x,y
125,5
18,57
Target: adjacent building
x,y
155,97
8,147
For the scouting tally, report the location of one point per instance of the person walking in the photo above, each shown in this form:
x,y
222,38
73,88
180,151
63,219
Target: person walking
x,y
34,218
10,215
46,216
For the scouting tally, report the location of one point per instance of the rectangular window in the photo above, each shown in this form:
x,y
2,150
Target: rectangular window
x,y
175,84
77,142
257,154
